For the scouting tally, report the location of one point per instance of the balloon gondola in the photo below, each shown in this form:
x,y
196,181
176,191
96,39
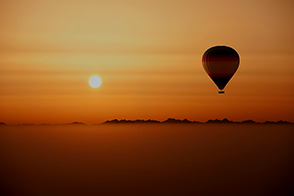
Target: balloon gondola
x,y
220,63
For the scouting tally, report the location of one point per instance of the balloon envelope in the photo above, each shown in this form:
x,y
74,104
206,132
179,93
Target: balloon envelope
x,y
220,63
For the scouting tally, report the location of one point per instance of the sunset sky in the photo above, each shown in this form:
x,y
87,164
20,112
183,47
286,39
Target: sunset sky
x,y
148,55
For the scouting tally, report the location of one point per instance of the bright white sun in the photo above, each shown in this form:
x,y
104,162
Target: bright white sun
x,y
95,81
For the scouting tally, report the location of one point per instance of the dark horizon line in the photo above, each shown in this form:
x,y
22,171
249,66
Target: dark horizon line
x,y
167,121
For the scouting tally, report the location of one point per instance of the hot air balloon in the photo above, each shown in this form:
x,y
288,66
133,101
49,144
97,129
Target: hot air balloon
x,y
220,63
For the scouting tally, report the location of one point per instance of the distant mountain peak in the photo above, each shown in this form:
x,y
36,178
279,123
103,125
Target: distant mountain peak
x,y
225,120
248,121
173,120
77,123
124,121
278,122
169,120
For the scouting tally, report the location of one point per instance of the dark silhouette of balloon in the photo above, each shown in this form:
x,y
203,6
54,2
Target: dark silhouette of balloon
x,y
220,63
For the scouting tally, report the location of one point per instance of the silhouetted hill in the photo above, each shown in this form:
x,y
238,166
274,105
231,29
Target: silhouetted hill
x,y
219,121
72,123
2,123
248,121
173,120
282,122
76,123
124,121
169,120
278,122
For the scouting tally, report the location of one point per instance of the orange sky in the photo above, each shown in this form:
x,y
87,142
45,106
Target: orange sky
x,y
148,54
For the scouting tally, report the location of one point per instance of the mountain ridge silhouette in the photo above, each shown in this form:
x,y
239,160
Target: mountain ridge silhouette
x,y
167,121
186,121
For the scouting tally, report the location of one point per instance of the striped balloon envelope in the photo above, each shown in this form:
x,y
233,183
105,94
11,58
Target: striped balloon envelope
x,y
220,63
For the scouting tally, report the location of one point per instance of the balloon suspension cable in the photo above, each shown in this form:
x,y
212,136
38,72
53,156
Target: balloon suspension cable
x,y
221,92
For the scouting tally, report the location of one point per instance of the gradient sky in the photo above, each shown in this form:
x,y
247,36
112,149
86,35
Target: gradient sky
x,y
148,54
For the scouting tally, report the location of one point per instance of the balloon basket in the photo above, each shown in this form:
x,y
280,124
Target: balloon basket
x,y
221,92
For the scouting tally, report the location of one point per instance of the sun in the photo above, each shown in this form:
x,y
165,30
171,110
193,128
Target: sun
x,y
95,81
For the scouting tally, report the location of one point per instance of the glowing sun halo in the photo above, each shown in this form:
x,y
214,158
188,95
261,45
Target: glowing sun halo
x,y
95,81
